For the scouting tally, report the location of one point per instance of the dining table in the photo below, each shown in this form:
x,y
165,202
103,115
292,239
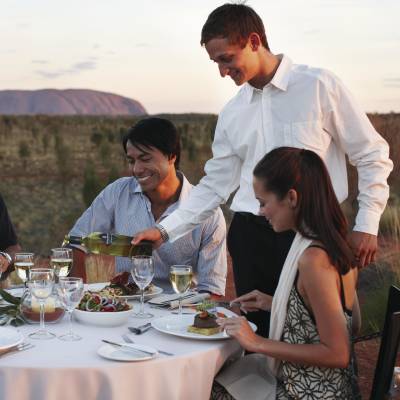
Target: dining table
x,y
61,370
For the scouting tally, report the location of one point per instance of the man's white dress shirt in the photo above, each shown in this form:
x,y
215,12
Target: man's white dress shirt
x,y
301,107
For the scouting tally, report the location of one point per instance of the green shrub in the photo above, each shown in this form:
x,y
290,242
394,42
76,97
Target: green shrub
x,y
92,184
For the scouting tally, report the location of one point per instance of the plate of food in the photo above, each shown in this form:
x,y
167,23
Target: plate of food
x,y
199,326
102,309
121,287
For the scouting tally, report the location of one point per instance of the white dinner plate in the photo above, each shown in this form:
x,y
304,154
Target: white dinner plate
x,y
114,353
9,337
177,325
147,294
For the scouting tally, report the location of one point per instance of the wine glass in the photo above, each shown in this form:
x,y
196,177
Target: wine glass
x,y
181,279
22,264
40,283
61,261
70,292
142,273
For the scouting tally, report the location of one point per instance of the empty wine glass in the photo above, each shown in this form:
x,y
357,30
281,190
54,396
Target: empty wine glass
x,y
181,278
142,273
61,261
23,262
70,292
41,283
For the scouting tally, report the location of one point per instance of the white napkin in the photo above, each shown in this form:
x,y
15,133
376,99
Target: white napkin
x,y
172,300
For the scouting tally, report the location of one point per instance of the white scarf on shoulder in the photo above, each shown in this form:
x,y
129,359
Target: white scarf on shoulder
x,y
281,296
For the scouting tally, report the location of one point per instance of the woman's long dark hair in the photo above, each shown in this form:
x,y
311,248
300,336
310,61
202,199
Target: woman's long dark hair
x,y
319,216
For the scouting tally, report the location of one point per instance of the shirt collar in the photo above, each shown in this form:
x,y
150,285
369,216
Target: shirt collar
x,y
280,79
185,190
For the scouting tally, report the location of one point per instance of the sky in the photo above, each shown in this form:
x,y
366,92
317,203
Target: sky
x,y
150,50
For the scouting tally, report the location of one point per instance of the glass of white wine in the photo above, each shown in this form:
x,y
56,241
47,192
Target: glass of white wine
x,y
70,291
181,279
23,262
61,261
142,273
41,283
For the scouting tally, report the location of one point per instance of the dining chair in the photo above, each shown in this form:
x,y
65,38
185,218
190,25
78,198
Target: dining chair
x,y
388,349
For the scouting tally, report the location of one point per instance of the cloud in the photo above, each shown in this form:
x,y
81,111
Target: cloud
x,y
391,82
75,69
96,46
83,66
50,75
39,62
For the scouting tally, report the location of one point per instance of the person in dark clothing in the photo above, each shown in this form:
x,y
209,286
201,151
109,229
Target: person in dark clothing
x,y
8,241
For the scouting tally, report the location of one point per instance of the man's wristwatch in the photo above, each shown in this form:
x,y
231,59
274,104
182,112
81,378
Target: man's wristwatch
x,y
6,256
163,233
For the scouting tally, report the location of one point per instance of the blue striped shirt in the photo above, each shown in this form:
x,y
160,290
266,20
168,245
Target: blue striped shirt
x,y
123,208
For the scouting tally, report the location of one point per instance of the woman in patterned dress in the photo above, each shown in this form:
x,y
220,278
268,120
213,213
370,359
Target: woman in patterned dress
x,y
315,351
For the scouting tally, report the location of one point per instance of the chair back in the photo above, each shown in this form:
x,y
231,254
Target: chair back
x,y
388,349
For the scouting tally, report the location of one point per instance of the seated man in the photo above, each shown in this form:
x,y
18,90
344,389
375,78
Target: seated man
x,y
8,241
154,191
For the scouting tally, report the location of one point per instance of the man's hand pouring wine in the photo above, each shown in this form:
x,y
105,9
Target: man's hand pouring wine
x,y
151,234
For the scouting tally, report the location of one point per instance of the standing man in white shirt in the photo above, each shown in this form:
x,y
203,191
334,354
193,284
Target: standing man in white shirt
x,y
279,104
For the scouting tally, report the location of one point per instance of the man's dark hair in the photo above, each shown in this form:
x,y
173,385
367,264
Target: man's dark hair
x,y
234,22
158,133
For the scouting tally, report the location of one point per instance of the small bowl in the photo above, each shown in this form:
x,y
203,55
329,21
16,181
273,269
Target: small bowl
x,y
100,318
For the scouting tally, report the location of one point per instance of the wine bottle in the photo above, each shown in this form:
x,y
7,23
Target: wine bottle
x,y
110,243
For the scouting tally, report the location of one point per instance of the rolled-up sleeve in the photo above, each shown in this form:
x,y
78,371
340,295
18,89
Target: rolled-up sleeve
x,y
212,262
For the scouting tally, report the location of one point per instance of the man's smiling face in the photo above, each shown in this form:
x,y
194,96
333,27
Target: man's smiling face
x,y
240,63
148,165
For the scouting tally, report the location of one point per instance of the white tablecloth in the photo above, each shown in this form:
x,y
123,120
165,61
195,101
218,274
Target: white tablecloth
x,y
58,370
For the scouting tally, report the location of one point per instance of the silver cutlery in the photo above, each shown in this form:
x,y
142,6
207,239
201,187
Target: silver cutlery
x,y
168,302
138,330
15,349
127,339
128,348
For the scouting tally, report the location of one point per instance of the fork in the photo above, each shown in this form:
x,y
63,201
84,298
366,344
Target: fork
x,y
15,349
127,339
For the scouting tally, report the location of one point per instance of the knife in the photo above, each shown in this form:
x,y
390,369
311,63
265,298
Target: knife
x,y
129,348
140,329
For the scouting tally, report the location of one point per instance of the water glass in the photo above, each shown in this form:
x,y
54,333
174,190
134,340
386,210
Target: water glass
x,y
142,273
70,292
41,283
181,279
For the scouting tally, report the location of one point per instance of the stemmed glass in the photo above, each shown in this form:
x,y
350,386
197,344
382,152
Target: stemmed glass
x,y
40,283
61,261
70,292
181,279
142,273
23,262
